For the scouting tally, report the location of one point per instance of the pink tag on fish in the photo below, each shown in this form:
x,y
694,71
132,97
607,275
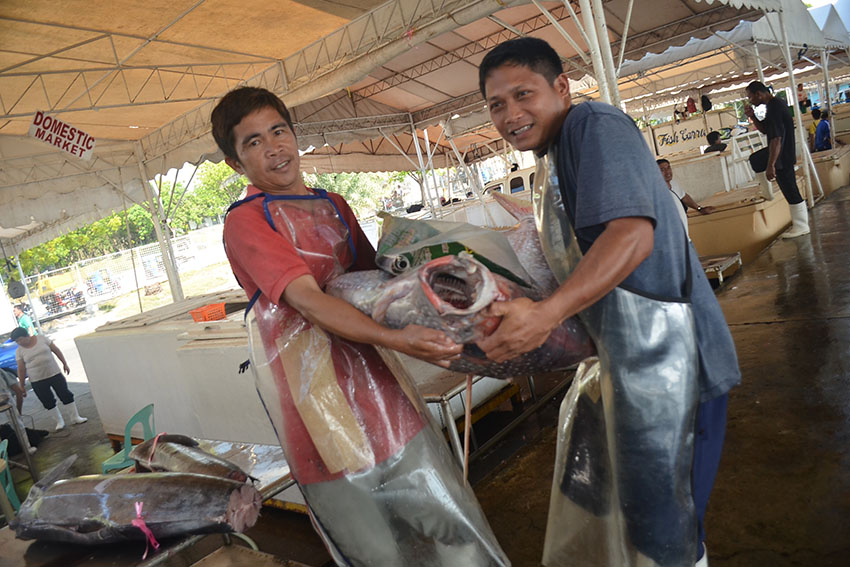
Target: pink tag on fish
x,y
153,447
139,522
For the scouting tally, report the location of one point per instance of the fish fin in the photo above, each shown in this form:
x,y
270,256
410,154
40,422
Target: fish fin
x,y
177,438
517,208
56,473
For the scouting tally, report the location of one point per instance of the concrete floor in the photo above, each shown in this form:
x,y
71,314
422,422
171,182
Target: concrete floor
x,y
782,497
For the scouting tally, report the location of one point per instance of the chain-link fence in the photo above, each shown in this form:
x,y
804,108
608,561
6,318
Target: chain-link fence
x,y
133,277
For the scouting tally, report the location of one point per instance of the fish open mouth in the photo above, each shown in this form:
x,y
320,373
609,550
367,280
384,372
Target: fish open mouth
x,y
458,284
453,290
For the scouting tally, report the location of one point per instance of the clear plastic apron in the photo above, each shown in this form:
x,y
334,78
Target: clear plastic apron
x,y
379,480
621,493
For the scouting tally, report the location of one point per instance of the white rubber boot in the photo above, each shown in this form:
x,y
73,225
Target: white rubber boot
x,y
765,186
60,423
703,562
75,415
799,221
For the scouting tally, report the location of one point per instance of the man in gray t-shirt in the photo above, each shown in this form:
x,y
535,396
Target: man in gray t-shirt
x,y
627,228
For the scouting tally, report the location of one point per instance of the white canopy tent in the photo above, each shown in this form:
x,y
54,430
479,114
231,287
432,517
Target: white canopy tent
x,y
142,79
723,58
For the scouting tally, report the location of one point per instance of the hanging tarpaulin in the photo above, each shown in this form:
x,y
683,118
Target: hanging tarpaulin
x,y
60,134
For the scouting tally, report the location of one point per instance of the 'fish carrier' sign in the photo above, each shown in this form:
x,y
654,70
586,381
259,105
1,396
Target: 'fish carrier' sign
x,y
62,135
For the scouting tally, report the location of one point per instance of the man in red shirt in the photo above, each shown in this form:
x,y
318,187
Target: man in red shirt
x,y
380,483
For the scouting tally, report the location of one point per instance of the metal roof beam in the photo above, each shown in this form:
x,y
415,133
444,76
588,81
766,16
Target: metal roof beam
x,y
486,43
104,69
135,36
201,92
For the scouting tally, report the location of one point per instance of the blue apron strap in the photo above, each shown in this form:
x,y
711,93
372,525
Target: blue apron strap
x,y
252,301
243,201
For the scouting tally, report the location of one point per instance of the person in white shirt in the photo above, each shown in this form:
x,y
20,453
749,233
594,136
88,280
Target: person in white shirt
x,y
35,358
683,200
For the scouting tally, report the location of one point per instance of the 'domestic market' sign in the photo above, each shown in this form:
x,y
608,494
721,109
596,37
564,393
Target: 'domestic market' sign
x,y
62,135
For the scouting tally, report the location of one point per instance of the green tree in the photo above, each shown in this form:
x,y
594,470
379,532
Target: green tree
x,y
215,188
364,192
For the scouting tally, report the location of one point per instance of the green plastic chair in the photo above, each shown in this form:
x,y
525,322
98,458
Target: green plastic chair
x,y
121,459
6,477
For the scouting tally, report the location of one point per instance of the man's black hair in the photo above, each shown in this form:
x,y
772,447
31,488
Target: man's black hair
x,y
236,105
713,137
529,52
816,113
824,114
659,161
757,87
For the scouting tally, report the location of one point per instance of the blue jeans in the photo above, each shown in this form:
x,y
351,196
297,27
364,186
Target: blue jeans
x,y
708,446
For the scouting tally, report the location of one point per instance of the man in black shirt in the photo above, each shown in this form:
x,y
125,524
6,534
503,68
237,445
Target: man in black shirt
x,y
714,143
778,126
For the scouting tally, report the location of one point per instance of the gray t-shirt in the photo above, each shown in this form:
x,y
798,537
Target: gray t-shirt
x,y
606,171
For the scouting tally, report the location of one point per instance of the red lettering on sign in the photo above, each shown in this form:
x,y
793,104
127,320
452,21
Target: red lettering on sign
x,y
39,116
89,142
49,138
39,133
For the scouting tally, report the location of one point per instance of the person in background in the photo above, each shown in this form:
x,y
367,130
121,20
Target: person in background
x,y
9,381
683,200
801,98
632,253
777,160
823,138
24,320
35,358
813,127
714,143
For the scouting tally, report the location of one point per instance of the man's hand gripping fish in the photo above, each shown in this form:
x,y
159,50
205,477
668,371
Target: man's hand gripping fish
x,y
451,294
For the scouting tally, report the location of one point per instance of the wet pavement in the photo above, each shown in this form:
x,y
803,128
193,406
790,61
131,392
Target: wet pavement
x,y
782,496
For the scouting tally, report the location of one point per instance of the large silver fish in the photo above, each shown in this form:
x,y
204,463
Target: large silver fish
x,y
451,294
179,453
98,509
525,242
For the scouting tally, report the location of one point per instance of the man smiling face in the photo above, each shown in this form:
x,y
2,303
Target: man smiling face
x,y
268,153
525,107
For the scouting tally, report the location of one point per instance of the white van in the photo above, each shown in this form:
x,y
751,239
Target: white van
x,y
517,181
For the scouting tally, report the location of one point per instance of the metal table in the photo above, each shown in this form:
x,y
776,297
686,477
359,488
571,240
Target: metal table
x,y
717,265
